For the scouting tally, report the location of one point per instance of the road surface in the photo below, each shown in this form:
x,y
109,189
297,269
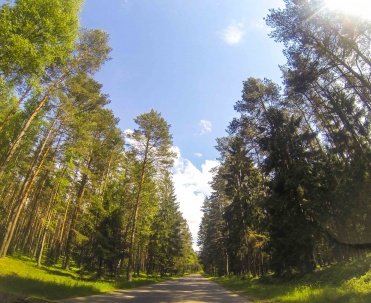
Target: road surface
x,y
189,289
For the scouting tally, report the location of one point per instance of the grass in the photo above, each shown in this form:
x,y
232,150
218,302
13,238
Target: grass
x,y
21,276
341,283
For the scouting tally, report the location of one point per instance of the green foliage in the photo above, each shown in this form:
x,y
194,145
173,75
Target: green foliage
x,y
53,283
165,243
153,140
69,192
37,35
151,149
344,283
296,163
289,207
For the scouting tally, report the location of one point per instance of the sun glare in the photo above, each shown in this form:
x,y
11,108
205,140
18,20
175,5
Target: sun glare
x,y
360,8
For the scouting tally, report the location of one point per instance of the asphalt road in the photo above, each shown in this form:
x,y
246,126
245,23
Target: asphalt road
x,y
189,289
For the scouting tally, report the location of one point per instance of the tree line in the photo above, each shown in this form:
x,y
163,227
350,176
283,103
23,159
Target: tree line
x,y
293,190
74,189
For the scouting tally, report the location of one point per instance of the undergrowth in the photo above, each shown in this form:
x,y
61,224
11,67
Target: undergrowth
x,y
348,282
22,276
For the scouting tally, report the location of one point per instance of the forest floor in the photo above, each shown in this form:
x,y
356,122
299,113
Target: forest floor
x,y
22,281
346,282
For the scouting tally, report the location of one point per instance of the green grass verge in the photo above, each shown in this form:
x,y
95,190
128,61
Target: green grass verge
x,y
21,276
341,283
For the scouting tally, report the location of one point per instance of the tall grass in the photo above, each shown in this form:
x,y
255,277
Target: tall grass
x,y
342,283
22,276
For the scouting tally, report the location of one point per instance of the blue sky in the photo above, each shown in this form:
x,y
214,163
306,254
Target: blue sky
x,y
174,56
186,59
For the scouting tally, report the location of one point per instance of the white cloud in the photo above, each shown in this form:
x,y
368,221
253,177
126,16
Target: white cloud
x,y
259,24
130,142
233,33
128,132
191,187
124,5
205,126
198,155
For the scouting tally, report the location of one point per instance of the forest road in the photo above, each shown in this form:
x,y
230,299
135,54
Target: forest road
x,y
189,289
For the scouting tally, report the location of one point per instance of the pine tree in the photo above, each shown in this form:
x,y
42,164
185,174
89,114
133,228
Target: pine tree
x,y
151,146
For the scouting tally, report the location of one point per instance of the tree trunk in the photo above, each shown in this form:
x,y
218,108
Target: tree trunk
x,y
33,115
31,221
15,108
23,195
136,212
76,211
60,238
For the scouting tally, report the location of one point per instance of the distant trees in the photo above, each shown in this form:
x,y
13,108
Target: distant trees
x,y
70,192
151,149
169,247
295,167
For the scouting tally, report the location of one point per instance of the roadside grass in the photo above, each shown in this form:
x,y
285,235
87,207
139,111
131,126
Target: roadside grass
x,y
22,276
341,283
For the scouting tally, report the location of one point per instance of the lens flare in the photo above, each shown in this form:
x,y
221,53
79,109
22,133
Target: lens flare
x,y
360,8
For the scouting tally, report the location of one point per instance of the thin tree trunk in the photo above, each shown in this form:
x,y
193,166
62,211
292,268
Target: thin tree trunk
x,y
60,238
32,217
136,212
343,118
15,108
44,232
76,211
48,219
23,195
336,60
25,127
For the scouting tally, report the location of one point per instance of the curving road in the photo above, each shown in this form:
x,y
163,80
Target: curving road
x,y
189,289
